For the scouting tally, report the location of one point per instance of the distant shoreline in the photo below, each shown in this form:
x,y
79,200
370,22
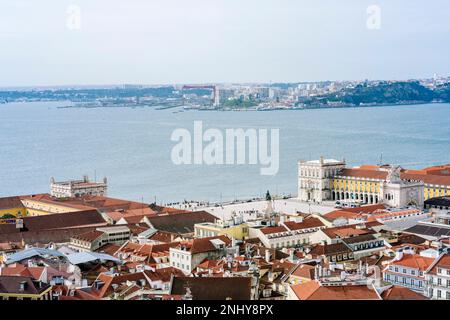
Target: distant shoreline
x,y
253,109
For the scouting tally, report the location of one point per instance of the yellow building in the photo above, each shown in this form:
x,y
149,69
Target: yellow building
x,y
238,231
42,204
365,183
36,205
329,179
11,207
364,189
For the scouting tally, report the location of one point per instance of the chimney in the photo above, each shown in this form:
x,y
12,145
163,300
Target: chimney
x,y
398,255
291,255
267,255
188,294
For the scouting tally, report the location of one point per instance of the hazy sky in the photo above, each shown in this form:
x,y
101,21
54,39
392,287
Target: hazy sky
x,y
193,41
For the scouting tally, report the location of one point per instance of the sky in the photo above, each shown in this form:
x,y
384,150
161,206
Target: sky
x,y
59,42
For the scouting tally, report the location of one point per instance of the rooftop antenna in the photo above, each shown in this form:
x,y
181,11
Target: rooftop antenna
x,y
381,159
95,175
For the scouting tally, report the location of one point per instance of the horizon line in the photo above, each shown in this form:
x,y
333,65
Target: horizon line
x,y
104,85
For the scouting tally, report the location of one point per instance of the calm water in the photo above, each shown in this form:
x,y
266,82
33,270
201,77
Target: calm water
x,y
132,147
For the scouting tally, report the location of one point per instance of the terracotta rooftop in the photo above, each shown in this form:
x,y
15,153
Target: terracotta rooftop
x,y
86,202
350,213
428,176
180,223
89,218
270,230
305,224
347,230
11,284
414,261
10,203
89,236
313,290
199,245
213,288
442,262
328,249
401,293
305,271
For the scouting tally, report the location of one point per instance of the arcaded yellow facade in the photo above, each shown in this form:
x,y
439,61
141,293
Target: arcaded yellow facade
x,y
435,191
358,186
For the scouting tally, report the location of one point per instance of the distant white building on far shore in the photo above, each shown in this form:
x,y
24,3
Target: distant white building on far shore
x,y
77,188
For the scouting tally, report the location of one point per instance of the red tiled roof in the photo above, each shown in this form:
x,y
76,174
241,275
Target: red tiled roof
x,y
312,290
213,288
442,262
142,212
89,236
180,223
90,218
304,271
21,270
363,173
270,230
414,261
350,213
11,284
401,293
305,224
10,203
427,176
347,230
205,244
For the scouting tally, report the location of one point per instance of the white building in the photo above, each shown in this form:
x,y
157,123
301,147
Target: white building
x,y
288,234
92,240
438,278
401,193
77,188
407,270
329,180
189,254
314,178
